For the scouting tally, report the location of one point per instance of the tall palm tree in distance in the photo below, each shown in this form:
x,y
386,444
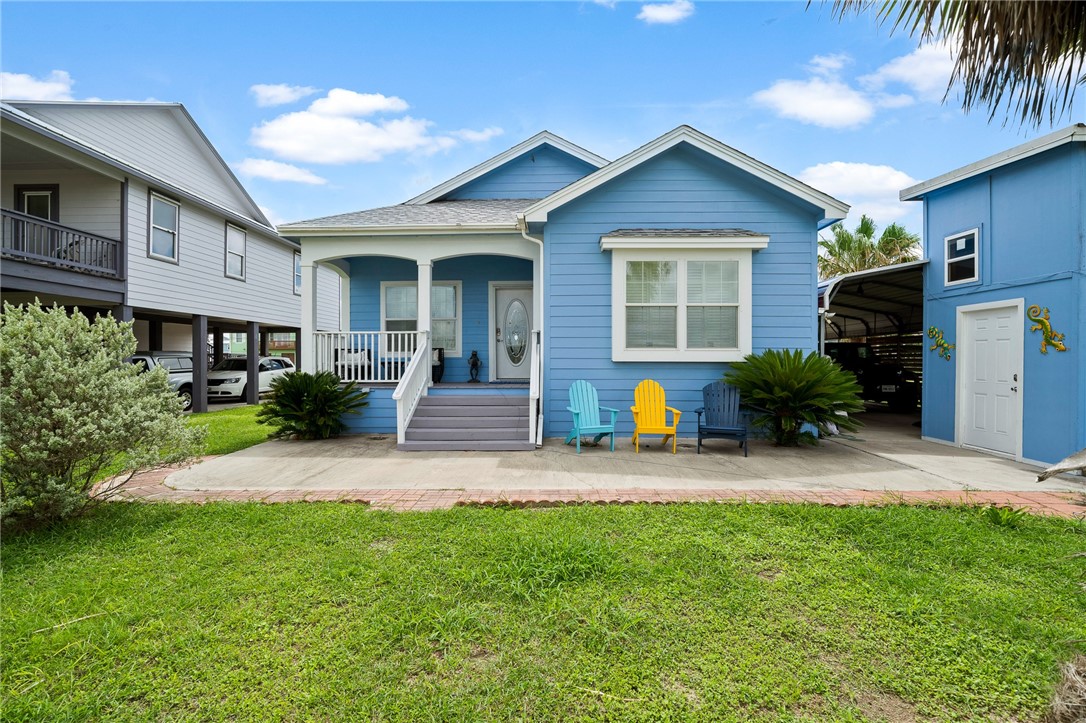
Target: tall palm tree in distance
x,y
847,251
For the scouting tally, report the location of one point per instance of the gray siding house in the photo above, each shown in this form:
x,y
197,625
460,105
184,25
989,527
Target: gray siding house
x,y
127,208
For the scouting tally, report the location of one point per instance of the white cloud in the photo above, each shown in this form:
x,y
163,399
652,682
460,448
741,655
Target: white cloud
x,y
19,86
340,102
666,13
869,189
823,102
829,65
926,71
276,171
477,136
330,131
610,4
279,93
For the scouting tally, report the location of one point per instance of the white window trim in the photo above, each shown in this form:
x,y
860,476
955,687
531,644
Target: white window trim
x,y
458,285
244,252
296,273
619,257
176,258
975,233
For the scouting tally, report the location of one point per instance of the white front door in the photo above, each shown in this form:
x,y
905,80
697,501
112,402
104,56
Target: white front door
x,y
513,333
991,369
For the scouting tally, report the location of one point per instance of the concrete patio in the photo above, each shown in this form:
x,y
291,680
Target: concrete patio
x,y
885,461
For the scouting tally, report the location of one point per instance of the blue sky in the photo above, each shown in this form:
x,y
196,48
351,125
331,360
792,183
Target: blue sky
x,y
324,108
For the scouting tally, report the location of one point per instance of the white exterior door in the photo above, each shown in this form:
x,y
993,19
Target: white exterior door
x,y
513,333
990,373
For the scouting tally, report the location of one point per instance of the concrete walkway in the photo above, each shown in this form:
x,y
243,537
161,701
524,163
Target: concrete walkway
x,y
884,462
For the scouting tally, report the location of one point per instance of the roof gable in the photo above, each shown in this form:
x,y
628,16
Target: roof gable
x,y
560,154
534,174
1071,134
161,140
832,209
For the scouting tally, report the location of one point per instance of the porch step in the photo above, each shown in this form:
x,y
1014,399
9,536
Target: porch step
x,y
469,422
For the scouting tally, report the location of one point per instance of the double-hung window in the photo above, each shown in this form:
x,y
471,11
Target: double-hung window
x,y
297,274
399,311
164,222
690,301
235,252
961,258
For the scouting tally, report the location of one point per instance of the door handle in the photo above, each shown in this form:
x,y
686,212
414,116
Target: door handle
x,y
498,334
1014,389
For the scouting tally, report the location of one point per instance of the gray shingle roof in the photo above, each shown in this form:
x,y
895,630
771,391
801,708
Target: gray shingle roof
x,y
436,213
683,232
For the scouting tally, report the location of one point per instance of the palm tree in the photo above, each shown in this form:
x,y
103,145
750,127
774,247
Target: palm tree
x,y
849,251
1028,56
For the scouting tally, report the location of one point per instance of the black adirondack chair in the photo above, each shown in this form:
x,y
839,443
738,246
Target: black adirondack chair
x,y
721,418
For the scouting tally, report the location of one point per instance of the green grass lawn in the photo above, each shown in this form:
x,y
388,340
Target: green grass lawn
x,y
229,430
334,612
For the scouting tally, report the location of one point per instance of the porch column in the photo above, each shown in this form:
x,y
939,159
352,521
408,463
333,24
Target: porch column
x,y
199,363
122,312
154,330
344,302
308,358
263,343
252,363
426,275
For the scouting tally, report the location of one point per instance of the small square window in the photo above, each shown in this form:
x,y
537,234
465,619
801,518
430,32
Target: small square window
x,y
961,258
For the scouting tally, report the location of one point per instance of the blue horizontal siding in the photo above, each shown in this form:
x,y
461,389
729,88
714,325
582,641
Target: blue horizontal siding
x,y
474,272
378,417
1032,228
682,188
535,174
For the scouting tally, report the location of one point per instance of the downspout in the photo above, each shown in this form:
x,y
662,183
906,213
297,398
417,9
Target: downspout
x,y
522,226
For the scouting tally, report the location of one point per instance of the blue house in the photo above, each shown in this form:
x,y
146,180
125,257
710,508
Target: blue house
x,y
1006,290
548,264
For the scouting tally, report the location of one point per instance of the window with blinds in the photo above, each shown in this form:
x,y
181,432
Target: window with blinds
x,y
400,312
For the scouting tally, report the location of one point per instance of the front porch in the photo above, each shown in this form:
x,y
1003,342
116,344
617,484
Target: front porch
x,y
448,345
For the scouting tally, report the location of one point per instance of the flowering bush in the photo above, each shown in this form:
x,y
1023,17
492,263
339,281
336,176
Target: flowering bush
x,y
73,410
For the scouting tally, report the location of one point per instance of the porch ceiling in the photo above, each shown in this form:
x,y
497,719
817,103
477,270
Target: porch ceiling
x,y
22,156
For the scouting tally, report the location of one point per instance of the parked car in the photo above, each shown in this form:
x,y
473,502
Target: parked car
x,y
179,366
228,378
881,381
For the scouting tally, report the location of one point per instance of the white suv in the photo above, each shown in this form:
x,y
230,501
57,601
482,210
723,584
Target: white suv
x,y
228,377
179,366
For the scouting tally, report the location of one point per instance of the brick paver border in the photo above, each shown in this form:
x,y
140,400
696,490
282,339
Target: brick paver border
x,y
150,487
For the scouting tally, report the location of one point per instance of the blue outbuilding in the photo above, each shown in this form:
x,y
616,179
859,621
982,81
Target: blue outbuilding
x,y
547,264
1005,300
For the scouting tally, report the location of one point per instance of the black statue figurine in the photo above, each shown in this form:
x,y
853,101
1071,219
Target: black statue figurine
x,y
475,364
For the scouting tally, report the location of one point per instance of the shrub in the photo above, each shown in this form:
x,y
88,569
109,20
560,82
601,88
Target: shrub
x,y
310,406
789,391
74,410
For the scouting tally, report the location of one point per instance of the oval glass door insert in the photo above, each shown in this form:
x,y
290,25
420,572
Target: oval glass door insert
x,y
516,331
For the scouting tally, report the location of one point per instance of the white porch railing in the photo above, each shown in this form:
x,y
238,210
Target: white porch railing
x,y
535,383
365,356
413,385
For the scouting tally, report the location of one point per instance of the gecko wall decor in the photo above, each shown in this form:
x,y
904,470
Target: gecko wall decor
x,y
1049,338
941,344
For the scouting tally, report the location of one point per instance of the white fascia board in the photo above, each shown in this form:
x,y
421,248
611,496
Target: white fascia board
x,y
316,231
608,243
1070,134
518,150
537,213
46,130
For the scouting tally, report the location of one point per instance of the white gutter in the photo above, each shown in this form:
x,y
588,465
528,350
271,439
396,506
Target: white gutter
x,y
522,226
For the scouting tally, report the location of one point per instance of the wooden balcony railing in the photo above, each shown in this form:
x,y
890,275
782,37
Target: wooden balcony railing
x,y
33,239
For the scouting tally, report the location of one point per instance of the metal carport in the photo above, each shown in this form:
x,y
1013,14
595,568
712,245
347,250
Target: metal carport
x,y
883,302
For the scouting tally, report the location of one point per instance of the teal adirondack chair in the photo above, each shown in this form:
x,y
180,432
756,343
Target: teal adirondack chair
x,y
585,405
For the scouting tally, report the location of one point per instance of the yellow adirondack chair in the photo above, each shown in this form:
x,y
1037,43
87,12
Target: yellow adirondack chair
x,y
650,414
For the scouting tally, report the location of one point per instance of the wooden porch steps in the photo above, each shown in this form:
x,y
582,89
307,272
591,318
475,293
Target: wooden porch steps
x,y
469,423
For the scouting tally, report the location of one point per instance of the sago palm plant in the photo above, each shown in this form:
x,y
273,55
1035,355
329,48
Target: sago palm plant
x,y
791,392
310,406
